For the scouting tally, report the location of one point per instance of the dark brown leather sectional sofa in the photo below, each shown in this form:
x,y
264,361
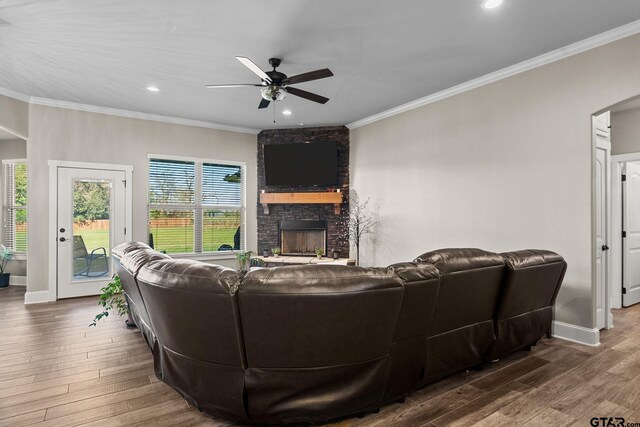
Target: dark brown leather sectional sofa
x,y
313,343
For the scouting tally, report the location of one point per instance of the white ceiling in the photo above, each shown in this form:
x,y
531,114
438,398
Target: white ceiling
x,y
383,53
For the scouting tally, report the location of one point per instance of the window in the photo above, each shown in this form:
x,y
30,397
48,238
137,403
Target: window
x,y
15,205
195,206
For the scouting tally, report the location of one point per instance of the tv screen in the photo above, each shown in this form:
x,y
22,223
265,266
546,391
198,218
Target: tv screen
x,y
301,164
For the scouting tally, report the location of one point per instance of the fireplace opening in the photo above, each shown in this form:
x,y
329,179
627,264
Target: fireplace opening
x,y
303,237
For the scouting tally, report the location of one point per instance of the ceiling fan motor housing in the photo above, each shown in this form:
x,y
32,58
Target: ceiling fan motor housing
x,y
274,62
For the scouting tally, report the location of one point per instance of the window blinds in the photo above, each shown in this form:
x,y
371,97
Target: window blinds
x,y
15,206
195,206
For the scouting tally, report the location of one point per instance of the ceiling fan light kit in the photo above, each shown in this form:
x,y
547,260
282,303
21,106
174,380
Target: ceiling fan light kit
x,y
273,93
274,85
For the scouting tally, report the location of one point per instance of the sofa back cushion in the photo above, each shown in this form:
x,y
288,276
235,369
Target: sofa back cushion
x,y
129,260
122,249
408,352
313,315
469,287
193,309
532,281
421,285
317,339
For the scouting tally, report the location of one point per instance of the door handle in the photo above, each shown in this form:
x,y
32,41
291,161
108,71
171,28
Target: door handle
x,y
605,247
62,239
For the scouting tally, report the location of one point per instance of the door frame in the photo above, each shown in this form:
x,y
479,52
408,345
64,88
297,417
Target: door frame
x,y
608,318
617,162
53,209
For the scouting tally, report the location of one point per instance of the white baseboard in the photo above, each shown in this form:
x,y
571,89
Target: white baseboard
x,y
36,297
575,333
17,280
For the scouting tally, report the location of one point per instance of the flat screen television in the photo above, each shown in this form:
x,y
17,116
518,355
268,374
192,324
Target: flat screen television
x,y
304,164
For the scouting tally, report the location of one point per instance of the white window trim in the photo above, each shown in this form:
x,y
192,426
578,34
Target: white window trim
x,y
18,256
218,255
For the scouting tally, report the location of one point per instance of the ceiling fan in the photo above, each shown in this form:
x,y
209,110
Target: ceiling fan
x,y
275,85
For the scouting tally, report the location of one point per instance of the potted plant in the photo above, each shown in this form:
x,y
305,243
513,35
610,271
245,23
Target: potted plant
x,y
244,260
111,298
319,253
5,256
276,252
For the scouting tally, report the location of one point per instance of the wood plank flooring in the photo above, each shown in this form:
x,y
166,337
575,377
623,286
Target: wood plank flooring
x,y
56,371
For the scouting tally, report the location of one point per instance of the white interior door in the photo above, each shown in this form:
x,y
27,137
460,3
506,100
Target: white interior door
x,y
631,227
603,149
91,219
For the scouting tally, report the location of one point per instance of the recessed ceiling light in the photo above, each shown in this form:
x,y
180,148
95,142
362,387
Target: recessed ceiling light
x,y
301,124
153,89
491,4
287,112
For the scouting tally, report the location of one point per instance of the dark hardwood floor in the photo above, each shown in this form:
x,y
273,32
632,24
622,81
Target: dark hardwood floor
x,y
56,371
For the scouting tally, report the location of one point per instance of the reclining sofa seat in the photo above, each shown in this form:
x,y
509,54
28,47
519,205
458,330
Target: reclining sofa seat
x,y
462,331
317,340
193,310
408,351
313,343
129,259
525,311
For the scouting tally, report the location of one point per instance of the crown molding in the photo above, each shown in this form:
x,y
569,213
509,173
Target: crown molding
x,y
138,115
17,134
544,59
15,95
530,64
123,113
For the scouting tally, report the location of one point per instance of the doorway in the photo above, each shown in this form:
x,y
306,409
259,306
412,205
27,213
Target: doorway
x,y
626,225
92,214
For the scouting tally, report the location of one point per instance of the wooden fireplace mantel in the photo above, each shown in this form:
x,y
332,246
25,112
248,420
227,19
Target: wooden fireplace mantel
x,y
325,198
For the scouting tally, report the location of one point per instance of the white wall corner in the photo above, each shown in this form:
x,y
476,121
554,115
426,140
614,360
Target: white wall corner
x,y
17,280
37,297
575,333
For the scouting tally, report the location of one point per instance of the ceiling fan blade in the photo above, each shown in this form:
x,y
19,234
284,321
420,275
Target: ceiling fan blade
x,y
253,67
306,95
232,85
263,103
306,77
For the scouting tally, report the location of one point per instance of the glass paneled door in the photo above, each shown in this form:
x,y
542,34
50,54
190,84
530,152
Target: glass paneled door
x,y
91,221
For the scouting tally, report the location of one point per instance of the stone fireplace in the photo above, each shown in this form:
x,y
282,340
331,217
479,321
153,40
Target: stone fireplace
x,y
303,237
336,226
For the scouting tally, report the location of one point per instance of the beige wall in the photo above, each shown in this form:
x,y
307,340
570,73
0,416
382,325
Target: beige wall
x,y
11,150
61,134
503,167
625,132
14,116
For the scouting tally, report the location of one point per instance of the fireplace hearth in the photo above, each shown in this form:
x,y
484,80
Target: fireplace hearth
x,y
303,237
